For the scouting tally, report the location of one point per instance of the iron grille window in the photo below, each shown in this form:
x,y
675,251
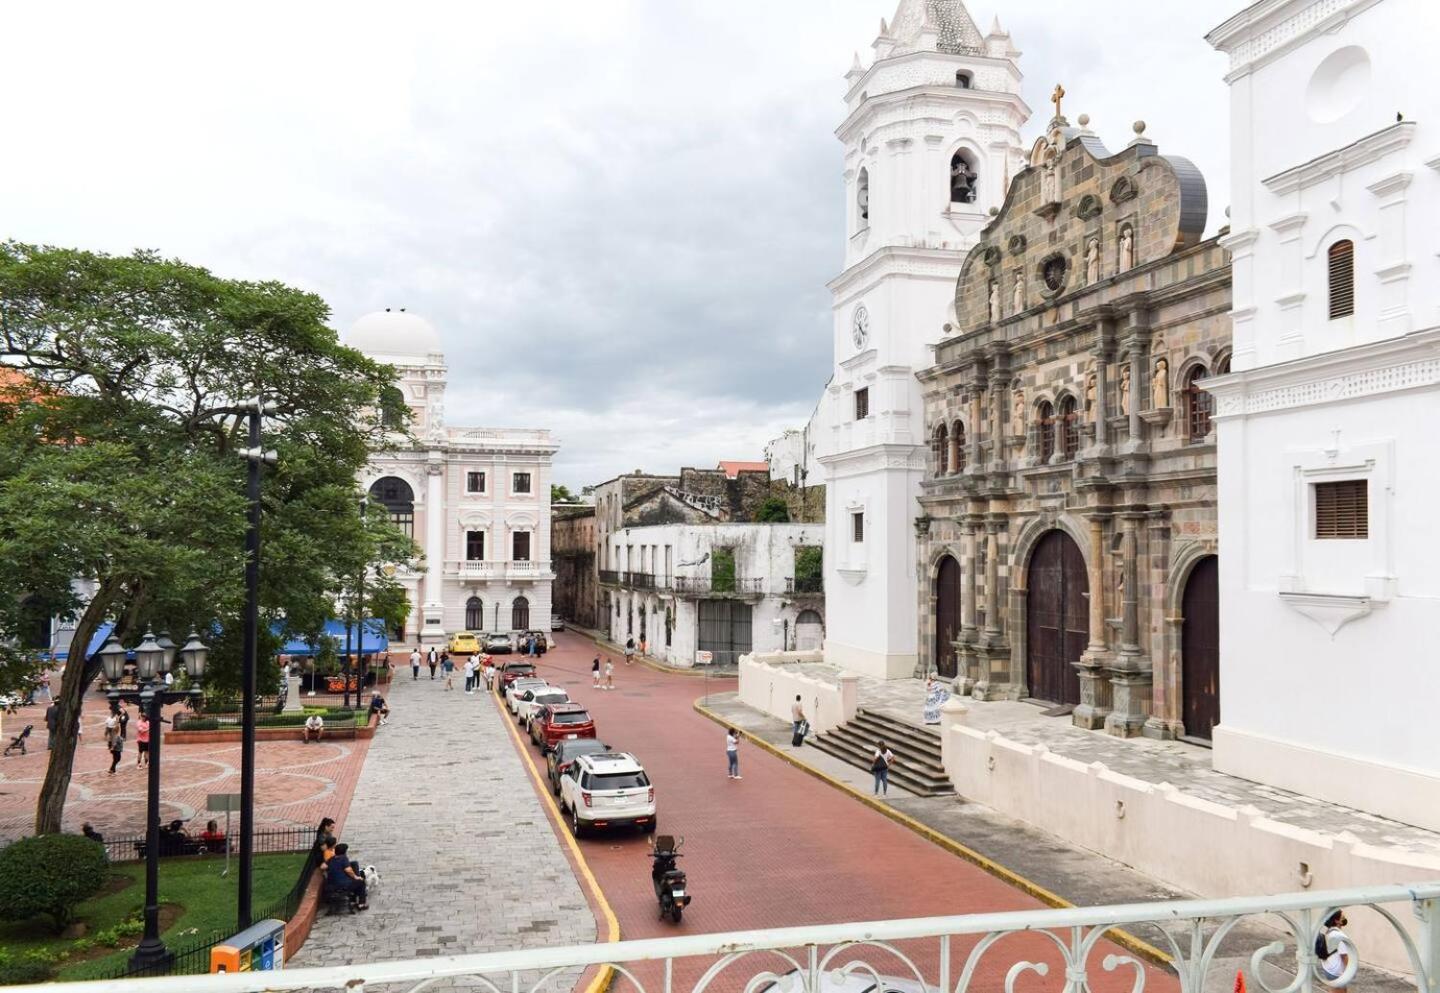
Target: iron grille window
x,y
862,403
1342,510
521,546
1045,428
1201,406
857,527
1070,426
942,451
959,447
474,482
1342,279
474,546
521,483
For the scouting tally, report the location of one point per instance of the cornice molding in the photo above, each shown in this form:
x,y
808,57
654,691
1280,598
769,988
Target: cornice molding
x,y
1267,29
1371,148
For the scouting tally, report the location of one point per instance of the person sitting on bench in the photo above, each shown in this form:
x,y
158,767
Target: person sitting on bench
x,y
212,838
342,876
379,706
314,727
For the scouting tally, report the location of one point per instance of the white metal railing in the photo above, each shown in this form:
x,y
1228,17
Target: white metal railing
x,y
477,568
815,959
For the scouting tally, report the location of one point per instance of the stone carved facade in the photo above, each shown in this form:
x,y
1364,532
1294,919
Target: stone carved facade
x,y
1134,492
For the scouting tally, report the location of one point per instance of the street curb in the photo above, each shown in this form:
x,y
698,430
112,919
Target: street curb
x,y
604,644
606,976
1124,939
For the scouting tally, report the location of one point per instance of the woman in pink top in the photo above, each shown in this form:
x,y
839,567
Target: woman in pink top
x,y
142,738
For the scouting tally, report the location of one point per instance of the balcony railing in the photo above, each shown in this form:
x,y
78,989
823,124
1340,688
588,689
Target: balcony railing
x,y
611,577
805,584
949,954
739,586
480,569
640,580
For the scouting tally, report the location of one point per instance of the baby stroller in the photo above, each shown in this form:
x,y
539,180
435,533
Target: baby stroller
x,y
19,740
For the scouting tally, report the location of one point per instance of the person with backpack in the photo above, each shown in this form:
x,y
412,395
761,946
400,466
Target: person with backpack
x,y
799,725
1334,949
880,763
629,650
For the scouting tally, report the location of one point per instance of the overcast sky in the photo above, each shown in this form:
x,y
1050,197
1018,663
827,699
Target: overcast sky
x,y
620,214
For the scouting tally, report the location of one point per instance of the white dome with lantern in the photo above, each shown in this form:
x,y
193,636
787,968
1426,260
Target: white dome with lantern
x,y
394,333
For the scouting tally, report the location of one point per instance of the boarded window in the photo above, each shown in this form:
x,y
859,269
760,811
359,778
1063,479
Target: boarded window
x,y
1342,510
862,403
857,526
1342,279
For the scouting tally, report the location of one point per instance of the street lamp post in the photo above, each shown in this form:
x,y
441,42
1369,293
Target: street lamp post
x,y
258,457
153,658
360,609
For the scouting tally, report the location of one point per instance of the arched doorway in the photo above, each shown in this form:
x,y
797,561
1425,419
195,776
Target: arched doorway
x,y
947,615
520,614
1200,649
474,614
809,631
1057,619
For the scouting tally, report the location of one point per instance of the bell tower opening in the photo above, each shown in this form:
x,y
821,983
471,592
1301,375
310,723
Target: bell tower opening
x,y
964,177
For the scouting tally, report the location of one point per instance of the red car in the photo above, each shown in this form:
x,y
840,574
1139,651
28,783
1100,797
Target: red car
x,y
557,722
509,672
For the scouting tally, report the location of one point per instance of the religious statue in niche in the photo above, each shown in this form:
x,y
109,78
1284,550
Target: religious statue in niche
x,y
1160,384
1018,301
1127,248
994,300
1017,414
1092,262
1049,182
1090,392
1125,389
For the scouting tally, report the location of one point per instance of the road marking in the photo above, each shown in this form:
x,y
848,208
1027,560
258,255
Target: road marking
x,y
1123,938
606,975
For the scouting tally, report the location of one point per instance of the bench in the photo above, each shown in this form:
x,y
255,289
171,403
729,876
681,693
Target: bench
x,y
337,901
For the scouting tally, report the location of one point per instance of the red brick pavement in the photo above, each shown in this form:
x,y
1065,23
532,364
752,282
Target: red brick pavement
x,y
295,784
779,848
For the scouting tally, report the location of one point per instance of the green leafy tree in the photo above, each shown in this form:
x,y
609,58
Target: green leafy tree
x,y
120,463
50,875
773,510
560,493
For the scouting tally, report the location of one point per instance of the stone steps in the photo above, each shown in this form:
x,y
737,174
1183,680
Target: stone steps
x,y
918,766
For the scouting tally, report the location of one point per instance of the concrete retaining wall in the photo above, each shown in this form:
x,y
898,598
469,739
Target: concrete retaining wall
x,y
769,688
1205,847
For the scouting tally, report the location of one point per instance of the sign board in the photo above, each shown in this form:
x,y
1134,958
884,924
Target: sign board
x,y
704,658
222,803
259,948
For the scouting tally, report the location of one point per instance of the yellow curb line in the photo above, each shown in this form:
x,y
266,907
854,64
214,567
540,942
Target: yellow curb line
x,y
1123,938
606,975
643,660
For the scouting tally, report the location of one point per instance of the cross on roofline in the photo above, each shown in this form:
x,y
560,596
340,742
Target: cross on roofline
x,y
1056,97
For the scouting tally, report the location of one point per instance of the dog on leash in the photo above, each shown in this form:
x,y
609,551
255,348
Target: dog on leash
x,y
372,880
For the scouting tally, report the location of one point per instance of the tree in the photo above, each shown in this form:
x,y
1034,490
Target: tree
x,y
560,493
773,510
50,876
119,462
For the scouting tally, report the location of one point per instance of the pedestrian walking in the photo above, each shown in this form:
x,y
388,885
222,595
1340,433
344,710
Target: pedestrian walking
x,y
1334,949
732,752
609,674
448,666
880,762
52,721
629,650
142,739
415,664
45,685
124,717
799,726
644,646
115,743
469,675
434,659
595,671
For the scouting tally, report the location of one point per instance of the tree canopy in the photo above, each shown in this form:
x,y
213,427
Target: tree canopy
x,y
121,481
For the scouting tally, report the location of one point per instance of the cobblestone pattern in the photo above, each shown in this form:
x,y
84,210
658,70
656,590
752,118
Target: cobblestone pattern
x,y
467,857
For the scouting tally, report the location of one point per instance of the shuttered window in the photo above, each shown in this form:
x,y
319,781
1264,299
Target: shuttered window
x,y
857,526
1342,510
862,403
1342,279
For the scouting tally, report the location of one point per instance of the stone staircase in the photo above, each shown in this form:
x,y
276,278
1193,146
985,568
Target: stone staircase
x,y
918,767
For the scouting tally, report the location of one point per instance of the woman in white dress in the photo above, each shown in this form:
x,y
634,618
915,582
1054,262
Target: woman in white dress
x,y
936,693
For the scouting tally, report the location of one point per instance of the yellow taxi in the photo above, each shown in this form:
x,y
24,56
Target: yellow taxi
x,y
464,643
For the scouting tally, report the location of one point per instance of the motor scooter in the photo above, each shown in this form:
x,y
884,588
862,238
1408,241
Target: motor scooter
x,y
668,879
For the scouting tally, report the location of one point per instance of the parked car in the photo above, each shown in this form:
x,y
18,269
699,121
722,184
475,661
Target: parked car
x,y
542,641
464,643
507,672
498,644
557,623
529,702
518,686
564,754
558,722
608,789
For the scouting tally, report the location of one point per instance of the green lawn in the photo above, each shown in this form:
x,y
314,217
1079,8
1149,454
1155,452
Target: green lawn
x,y
192,883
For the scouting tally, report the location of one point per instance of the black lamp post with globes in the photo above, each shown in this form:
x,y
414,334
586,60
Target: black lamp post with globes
x,y
153,659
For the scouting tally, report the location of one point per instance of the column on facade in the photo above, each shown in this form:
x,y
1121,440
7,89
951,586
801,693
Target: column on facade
x,y
1130,674
1102,378
1139,386
993,606
977,415
1094,704
999,387
434,549
969,673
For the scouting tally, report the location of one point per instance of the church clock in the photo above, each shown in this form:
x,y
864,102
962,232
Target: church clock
x,y
860,327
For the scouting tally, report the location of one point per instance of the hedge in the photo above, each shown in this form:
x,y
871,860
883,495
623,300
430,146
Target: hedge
x,y
50,874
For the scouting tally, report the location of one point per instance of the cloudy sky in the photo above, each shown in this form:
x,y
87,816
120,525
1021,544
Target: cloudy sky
x,y
620,214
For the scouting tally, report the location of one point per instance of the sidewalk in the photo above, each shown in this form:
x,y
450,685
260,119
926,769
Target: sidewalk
x,y
468,861
603,642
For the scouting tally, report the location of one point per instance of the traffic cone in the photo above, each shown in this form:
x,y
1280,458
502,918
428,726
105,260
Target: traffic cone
x,y
1239,981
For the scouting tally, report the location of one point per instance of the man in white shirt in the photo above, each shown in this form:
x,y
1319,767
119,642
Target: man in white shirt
x,y
470,675
415,664
314,725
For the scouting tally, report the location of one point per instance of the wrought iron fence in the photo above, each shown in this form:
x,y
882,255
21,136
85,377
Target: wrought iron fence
x,y
271,842
737,585
941,954
611,576
805,584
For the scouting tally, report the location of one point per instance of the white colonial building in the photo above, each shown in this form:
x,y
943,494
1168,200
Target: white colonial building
x,y
476,500
931,137
1329,463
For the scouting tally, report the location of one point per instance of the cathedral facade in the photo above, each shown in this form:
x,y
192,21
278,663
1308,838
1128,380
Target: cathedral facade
x,y
1066,532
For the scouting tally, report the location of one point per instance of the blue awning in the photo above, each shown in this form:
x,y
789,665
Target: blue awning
x,y
374,638
97,641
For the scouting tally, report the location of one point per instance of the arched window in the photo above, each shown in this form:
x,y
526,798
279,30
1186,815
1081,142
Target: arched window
x,y
474,614
964,178
1199,404
862,197
960,455
1222,368
1342,279
942,450
1045,430
1069,428
399,499
962,80
520,614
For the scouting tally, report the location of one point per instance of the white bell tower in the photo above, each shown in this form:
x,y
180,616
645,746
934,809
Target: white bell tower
x,y
932,137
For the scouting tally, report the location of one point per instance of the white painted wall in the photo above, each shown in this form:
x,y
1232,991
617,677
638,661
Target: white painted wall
x,y
769,687
1328,680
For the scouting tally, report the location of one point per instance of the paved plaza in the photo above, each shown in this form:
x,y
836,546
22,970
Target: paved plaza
x,y
468,860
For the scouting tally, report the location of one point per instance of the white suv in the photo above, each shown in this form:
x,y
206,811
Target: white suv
x,y
609,789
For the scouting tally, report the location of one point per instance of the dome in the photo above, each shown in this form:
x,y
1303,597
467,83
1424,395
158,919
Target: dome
x,y
393,332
